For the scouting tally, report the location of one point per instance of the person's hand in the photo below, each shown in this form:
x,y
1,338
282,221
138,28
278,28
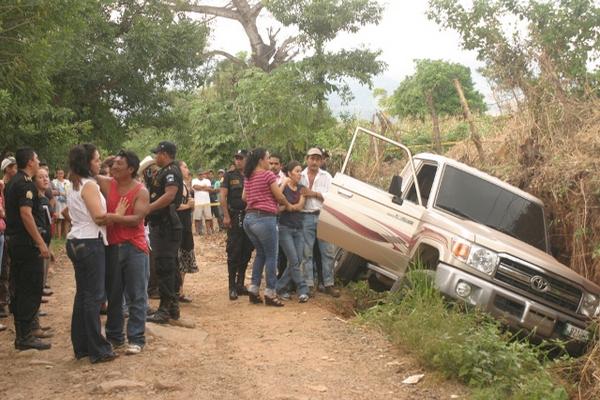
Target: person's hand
x,y
226,221
122,206
44,251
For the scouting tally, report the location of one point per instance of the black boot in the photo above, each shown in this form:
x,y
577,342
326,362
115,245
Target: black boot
x,y
161,316
25,340
174,309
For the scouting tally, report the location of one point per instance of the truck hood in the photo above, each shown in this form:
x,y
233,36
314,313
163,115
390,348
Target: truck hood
x,y
502,243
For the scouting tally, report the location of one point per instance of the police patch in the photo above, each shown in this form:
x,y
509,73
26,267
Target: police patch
x,y
170,178
29,195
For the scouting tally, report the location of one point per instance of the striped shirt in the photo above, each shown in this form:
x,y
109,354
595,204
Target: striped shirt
x,y
258,192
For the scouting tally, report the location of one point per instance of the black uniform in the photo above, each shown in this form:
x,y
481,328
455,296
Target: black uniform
x,y
165,238
239,246
27,266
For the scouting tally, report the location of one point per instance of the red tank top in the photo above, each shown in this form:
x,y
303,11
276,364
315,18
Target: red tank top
x,y
120,233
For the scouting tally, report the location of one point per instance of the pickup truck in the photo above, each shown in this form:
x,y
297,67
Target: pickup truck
x,y
484,242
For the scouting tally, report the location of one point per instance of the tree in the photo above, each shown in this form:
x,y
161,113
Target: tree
x,y
83,70
529,46
430,92
321,21
264,55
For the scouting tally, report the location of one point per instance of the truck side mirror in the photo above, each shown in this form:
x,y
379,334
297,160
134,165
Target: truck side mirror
x,y
396,189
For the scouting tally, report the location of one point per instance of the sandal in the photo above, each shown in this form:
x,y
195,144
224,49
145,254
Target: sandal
x,y
273,301
255,298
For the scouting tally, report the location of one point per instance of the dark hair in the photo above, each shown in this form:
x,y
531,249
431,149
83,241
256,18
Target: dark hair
x,y
291,165
133,161
23,156
252,160
80,157
275,155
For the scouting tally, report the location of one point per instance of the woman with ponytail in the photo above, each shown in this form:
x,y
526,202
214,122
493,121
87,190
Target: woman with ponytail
x,y
262,195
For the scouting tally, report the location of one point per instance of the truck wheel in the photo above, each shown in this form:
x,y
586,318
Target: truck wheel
x,y
347,266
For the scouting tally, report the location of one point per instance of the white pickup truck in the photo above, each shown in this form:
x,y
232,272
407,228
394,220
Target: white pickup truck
x,y
484,241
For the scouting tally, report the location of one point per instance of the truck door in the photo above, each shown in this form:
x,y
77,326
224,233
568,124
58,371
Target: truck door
x,y
367,221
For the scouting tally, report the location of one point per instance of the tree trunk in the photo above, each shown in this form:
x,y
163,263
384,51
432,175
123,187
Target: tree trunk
x,y
437,136
266,56
472,128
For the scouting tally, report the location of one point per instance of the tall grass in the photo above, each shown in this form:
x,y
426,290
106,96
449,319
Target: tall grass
x,y
463,344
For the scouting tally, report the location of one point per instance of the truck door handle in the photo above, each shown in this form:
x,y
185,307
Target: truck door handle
x,y
345,193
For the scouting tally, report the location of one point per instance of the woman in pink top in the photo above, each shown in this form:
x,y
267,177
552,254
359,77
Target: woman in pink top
x,y
262,194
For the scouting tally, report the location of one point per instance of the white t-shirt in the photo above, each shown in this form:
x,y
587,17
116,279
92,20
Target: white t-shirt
x,y
321,184
201,196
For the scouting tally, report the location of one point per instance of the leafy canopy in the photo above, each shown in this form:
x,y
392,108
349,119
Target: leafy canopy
x,y
434,78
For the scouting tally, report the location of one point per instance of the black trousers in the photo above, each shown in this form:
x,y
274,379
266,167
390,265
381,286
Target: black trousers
x,y
165,244
239,250
26,281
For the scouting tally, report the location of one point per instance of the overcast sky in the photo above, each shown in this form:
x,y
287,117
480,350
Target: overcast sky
x,y
404,34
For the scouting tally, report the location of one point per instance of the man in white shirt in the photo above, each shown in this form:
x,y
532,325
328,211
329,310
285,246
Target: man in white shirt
x,y
202,187
316,182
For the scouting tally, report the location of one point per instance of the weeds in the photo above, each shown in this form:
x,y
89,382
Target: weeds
x,y
463,344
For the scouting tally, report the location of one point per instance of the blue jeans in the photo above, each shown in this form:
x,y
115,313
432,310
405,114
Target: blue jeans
x,y
88,257
327,253
1,249
291,241
127,273
263,233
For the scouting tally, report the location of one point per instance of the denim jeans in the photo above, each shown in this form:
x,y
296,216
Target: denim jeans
x,y
291,241
263,233
127,273
88,257
309,228
1,249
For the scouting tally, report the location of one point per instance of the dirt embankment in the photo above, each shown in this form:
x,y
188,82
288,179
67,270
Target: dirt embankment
x,y
236,351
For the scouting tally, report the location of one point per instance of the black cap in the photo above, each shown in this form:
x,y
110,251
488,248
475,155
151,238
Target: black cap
x,y
241,153
167,147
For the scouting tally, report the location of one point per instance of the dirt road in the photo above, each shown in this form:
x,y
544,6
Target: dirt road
x,y
236,351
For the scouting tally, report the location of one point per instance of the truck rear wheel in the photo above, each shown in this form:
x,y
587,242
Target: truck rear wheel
x,y
348,266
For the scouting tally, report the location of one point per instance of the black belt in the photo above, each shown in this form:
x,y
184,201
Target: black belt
x,y
261,212
316,212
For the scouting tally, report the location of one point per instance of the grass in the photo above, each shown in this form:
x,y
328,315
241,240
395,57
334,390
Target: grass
x,y
466,345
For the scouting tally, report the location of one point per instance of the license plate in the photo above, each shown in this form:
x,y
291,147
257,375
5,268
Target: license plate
x,y
576,333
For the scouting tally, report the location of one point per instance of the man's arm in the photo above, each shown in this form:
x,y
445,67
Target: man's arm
x,y
104,183
31,228
164,200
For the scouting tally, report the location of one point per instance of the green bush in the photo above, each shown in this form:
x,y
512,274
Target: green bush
x,y
463,344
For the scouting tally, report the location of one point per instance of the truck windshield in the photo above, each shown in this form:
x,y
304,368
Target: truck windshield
x,y
468,196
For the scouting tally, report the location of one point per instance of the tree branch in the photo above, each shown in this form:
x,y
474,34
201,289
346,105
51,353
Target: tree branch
x,y
227,55
225,12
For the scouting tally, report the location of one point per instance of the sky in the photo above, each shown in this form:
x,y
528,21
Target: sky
x,y
403,35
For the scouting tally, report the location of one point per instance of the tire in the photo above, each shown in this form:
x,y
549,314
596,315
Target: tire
x,y
347,266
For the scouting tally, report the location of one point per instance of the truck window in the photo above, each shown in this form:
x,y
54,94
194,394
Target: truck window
x,y
474,198
425,176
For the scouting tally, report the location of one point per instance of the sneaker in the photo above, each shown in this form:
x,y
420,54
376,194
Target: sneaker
x,y
159,317
285,296
333,292
133,349
303,298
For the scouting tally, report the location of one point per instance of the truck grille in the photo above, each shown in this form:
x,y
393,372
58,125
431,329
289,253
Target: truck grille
x,y
555,291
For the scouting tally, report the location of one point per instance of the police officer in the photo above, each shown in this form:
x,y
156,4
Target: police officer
x,y
27,249
166,192
239,246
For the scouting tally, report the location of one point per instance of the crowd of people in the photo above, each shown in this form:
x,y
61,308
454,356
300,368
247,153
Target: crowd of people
x,y
129,226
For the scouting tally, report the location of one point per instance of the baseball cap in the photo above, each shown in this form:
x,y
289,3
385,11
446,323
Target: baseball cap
x,y
7,162
314,151
167,147
241,154
221,170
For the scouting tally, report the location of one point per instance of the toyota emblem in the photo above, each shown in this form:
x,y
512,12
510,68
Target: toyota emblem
x,y
539,284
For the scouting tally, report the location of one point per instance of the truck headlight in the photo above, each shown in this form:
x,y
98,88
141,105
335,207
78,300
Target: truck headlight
x,y
590,305
478,257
